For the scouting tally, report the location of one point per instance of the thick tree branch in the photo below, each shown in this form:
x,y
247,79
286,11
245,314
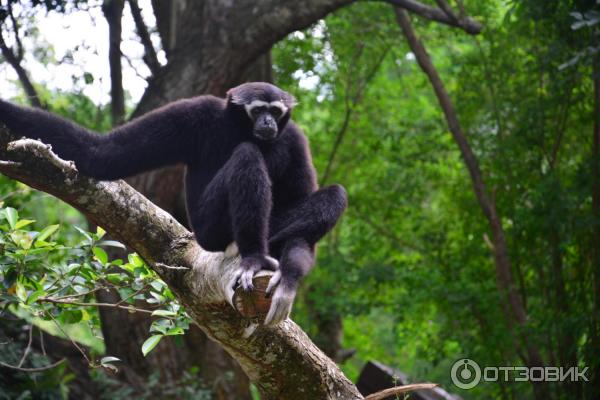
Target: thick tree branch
x,y
20,50
282,361
212,42
15,63
150,57
445,15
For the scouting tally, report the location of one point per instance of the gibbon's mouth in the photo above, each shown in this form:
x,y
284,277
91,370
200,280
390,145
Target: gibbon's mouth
x,y
265,134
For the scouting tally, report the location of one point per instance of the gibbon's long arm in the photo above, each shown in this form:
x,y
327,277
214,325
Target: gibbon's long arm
x,y
162,137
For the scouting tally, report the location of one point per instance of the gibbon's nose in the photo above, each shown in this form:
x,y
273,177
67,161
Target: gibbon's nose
x,y
265,127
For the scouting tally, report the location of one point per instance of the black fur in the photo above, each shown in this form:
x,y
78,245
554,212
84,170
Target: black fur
x,y
260,193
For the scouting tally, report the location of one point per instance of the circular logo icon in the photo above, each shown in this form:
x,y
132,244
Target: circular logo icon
x,y
465,373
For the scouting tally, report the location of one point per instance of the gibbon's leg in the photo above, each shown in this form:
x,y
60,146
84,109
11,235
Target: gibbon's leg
x,y
236,206
161,137
209,216
293,239
309,220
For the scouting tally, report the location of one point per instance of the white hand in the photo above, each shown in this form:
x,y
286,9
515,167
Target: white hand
x,y
273,282
281,305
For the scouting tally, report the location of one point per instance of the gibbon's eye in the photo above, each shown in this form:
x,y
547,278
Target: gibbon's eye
x,y
275,112
256,111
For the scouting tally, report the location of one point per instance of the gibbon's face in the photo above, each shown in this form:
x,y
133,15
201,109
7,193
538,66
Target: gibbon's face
x,y
267,106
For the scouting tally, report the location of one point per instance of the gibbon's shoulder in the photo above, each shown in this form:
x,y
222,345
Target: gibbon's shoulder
x,y
294,136
194,108
206,105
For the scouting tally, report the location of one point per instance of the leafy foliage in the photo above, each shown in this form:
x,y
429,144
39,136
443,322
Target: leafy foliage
x,y
56,281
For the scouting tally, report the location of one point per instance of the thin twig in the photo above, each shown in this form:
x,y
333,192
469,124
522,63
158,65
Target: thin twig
x,y
42,345
401,244
28,348
165,266
109,305
399,390
132,295
126,57
39,369
70,338
70,296
350,106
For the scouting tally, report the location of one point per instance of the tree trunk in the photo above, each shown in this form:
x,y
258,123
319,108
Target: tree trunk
x,y
595,237
510,295
113,12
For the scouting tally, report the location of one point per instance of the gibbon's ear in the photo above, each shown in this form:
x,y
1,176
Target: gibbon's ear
x,y
289,101
237,96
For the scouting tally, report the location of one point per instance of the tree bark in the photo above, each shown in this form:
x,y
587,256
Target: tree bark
x,y
281,361
505,282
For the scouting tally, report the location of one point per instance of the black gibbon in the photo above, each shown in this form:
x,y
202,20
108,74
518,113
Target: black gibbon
x,y
249,179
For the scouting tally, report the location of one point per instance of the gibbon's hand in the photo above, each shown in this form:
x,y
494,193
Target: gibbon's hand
x,y
282,300
249,266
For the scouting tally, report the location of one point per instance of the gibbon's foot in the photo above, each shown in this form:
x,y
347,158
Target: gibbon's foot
x,y
251,265
281,303
273,282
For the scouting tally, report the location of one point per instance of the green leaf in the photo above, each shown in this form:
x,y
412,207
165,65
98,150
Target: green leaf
x,y
23,222
34,296
100,254
43,243
12,216
21,239
100,232
150,344
115,278
164,313
109,359
135,260
21,292
112,243
160,326
84,233
175,331
46,232
70,316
